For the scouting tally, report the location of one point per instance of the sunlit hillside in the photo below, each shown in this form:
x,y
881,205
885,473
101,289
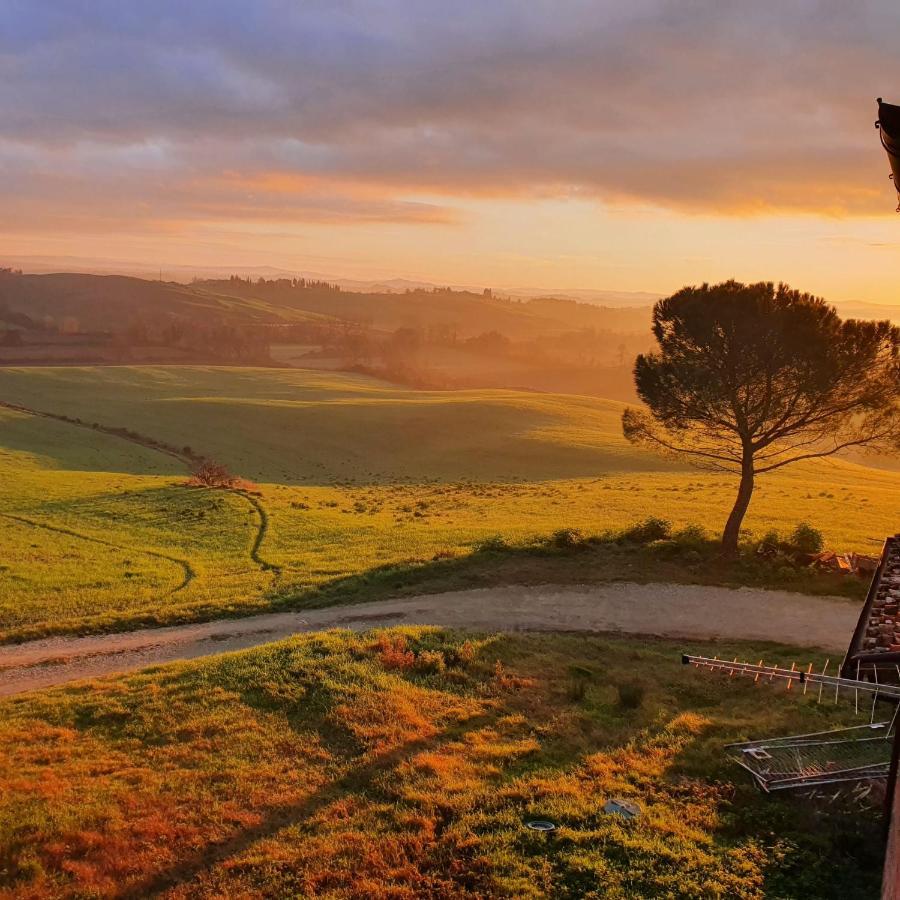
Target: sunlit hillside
x,y
114,302
344,474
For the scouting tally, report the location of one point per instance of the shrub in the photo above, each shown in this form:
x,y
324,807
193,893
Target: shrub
x,y
631,695
690,536
431,661
806,539
212,474
508,681
464,654
393,652
652,529
567,538
494,544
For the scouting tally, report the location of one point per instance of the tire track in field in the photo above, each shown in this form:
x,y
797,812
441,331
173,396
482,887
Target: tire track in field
x,y
260,536
187,460
189,574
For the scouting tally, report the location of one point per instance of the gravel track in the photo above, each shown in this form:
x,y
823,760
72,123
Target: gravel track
x,y
669,610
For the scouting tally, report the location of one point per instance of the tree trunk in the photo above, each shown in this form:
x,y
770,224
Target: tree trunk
x,y
733,526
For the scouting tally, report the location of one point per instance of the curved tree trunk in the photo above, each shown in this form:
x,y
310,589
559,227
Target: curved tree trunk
x,y
733,526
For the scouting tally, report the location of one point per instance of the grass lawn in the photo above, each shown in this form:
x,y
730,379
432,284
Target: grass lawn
x,y
350,476
404,763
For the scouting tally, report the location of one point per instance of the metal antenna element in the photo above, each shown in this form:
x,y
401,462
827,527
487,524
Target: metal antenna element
x,y
801,676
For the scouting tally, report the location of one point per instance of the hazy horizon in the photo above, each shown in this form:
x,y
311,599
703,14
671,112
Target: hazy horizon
x,y
40,265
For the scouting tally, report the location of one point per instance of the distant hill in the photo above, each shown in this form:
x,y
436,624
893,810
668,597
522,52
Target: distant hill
x,y
421,337
862,309
111,302
186,274
190,274
467,312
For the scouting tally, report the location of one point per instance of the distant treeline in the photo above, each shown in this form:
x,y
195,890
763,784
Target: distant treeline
x,y
296,284
435,336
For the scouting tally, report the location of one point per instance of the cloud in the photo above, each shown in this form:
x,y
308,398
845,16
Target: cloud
x,y
95,188
360,109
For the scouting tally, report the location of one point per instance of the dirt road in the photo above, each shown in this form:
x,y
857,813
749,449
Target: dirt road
x,y
679,611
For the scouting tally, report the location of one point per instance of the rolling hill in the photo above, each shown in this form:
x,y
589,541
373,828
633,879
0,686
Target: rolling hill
x,y
104,302
112,302
344,475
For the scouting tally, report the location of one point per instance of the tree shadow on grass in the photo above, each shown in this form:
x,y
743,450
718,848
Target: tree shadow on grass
x,y
598,560
59,445
278,817
537,563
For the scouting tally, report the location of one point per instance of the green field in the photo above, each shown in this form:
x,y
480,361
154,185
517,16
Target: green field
x,y
348,475
404,764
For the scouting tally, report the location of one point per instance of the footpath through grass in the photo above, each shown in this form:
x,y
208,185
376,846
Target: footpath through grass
x,y
405,763
354,479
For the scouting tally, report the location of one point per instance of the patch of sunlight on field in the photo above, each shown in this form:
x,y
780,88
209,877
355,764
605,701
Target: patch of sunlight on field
x,y
320,533
352,474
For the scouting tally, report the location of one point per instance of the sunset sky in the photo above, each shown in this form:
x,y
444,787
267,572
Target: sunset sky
x,y
564,144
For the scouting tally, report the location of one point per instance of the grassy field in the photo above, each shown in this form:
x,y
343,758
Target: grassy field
x,y
349,476
405,763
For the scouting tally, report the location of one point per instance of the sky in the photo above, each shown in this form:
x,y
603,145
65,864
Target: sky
x,y
520,143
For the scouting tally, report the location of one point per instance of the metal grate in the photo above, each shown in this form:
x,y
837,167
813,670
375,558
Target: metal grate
x,y
846,754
